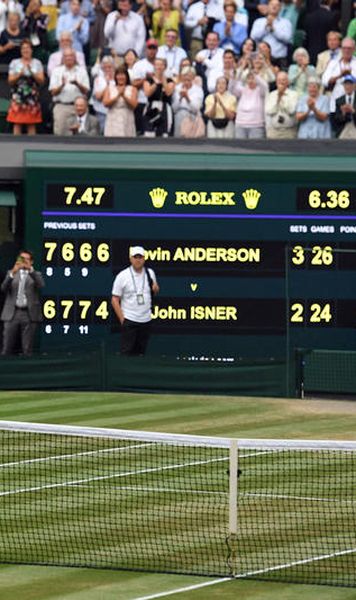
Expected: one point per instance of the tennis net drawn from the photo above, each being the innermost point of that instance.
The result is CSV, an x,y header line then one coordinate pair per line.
x,y
265,509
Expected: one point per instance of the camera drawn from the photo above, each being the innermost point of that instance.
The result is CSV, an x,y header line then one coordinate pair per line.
x,y
280,119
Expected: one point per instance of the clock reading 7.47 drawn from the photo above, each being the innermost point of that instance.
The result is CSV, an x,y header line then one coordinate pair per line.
x,y
91,195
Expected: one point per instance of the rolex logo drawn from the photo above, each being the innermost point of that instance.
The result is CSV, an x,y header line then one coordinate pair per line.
x,y
251,198
158,197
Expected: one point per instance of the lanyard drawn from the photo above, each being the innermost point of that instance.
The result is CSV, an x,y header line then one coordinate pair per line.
x,y
134,282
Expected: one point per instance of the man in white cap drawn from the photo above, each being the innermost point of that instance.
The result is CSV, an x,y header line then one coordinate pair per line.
x,y
132,293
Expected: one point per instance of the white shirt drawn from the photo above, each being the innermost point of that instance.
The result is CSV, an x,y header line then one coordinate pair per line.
x,y
70,91
196,97
128,285
173,56
196,12
334,69
55,60
125,33
140,70
211,59
278,37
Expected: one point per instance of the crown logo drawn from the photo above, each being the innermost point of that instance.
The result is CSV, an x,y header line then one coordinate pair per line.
x,y
251,198
158,197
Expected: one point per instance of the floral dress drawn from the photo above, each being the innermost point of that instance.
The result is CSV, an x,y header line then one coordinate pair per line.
x,y
25,106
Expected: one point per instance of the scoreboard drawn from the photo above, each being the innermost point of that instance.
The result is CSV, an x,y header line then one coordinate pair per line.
x,y
254,255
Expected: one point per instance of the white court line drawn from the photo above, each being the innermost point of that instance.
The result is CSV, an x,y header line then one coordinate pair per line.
x,y
184,589
114,476
64,456
248,574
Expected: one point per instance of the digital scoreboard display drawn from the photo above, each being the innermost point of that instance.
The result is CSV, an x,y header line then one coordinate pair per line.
x,y
249,263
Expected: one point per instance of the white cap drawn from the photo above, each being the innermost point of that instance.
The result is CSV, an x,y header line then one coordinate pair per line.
x,y
137,250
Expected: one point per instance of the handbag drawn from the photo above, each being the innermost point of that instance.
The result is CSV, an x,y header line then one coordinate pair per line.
x,y
192,127
220,123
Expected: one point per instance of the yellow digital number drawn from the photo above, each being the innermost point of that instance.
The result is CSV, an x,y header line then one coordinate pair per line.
x,y
50,247
314,199
103,252
102,310
87,196
85,252
84,305
67,306
332,201
70,190
49,309
297,310
299,257
320,313
68,251
344,199
322,256
99,191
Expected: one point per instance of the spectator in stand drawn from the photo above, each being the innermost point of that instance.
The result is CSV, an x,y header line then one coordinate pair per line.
x,y
130,59
280,110
164,19
333,40
317,25
25,78
199,20
35,27
263,70
86,10
351,28
7,7
96,34
158,114
250,115
276,31
300,72
220,110
187,102
103,77
124,29
345,113
171,53
255,9
74,22
248,48
265,49
186,62
120,100
10,39
313,112
144,10
82,123
337,69
209,59
231,34
141,69
55,59
68,81
229,71
290,11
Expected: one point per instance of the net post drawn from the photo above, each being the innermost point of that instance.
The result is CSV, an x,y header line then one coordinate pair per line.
x,y
233,516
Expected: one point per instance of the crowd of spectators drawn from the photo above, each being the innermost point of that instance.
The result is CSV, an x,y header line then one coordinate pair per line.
x,y
224,69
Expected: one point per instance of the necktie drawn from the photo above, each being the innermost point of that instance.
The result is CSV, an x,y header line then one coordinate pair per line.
x,y
21,300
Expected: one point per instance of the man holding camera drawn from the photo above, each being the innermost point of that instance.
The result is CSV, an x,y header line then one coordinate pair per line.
x,y
280,108
22,308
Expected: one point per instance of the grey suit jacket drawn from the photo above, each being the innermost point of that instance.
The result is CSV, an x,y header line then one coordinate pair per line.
x,y
91,125
10,286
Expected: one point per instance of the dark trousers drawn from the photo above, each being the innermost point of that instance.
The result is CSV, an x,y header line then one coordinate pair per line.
x,y
19,327
134,337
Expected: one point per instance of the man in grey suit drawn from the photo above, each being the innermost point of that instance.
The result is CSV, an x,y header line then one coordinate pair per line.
x,y
83,123
22,308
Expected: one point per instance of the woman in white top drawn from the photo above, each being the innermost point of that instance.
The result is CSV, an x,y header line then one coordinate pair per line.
x,y
187,102
121,100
